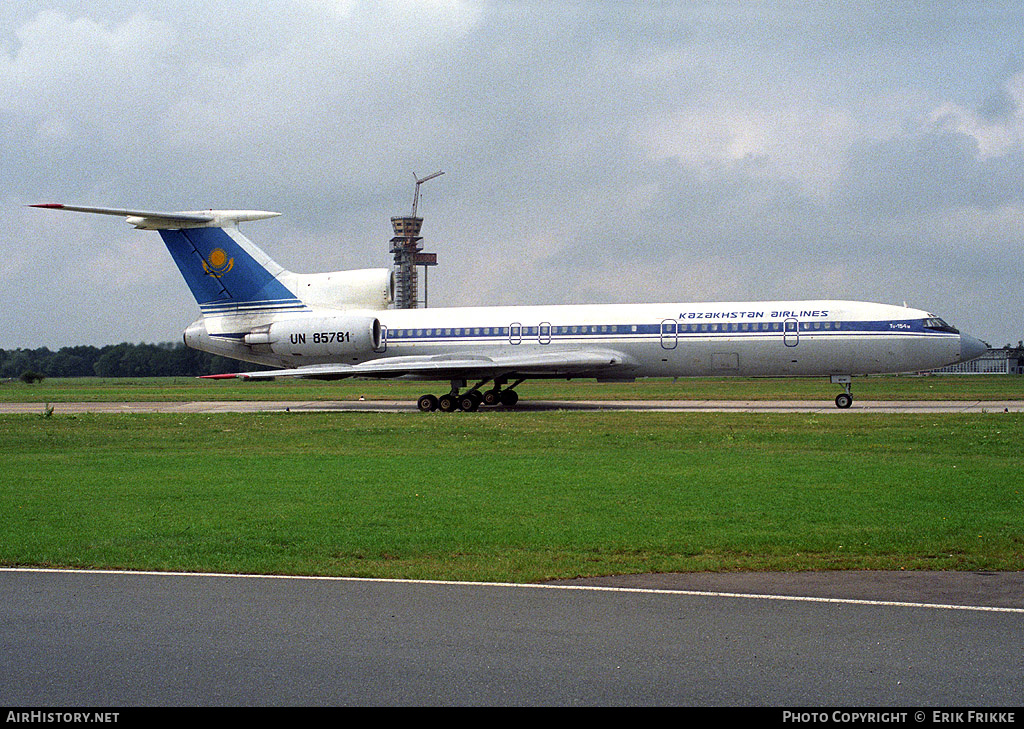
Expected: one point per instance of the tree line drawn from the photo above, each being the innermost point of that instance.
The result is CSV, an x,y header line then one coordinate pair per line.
x,y
115,360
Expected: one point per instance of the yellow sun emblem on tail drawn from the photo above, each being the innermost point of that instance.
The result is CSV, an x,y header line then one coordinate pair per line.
x,y
218,263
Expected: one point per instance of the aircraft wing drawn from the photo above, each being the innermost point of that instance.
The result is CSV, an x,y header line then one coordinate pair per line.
x,y
443,367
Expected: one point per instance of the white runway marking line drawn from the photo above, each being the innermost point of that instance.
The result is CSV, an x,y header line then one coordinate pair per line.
x,y
590,588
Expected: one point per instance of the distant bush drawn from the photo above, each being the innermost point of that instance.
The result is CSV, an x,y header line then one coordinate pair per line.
x,y
29,377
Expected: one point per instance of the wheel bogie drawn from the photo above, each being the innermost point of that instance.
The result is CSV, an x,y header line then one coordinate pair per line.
x,y
469,401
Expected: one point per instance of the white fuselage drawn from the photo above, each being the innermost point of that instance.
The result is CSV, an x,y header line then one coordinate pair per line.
x,y
805,338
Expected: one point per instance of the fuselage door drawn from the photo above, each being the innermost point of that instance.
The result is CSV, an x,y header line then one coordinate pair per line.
x,y
544,332
669,333
791,332
515,333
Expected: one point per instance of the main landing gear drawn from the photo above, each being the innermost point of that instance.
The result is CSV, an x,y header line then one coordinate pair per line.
x,y
843,399
471,399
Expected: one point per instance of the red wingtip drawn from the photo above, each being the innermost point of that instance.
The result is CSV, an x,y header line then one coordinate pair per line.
x,y
217,377
47,205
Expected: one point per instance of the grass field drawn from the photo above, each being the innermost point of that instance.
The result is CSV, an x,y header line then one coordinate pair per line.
x,y
992,387
512,496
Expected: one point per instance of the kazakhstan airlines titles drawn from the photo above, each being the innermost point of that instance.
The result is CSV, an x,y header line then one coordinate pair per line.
x,y
806,313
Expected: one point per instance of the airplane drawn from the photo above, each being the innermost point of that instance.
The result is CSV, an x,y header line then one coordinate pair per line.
x,y
336,325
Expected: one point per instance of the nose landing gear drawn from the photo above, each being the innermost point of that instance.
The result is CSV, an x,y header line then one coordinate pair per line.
x,y
843,399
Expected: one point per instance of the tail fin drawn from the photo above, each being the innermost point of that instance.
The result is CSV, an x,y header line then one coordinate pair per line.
x,y
226,272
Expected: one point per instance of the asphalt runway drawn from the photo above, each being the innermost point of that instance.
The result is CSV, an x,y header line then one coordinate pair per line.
x,y
858,639
746,406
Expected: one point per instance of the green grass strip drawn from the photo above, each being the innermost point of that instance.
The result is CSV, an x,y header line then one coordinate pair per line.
x,y
512,496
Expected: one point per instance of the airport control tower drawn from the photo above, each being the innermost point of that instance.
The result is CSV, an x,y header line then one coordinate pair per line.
x,y
407,248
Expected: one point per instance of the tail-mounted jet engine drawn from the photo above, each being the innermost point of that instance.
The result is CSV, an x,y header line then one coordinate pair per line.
x,y
352,336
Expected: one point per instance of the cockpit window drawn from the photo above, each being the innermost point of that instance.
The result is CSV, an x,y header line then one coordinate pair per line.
x,y
939,325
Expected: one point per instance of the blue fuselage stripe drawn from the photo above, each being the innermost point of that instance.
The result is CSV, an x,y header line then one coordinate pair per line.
x,y
670,328
637,332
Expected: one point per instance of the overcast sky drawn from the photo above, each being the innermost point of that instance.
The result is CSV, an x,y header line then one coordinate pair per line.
x,y
593,151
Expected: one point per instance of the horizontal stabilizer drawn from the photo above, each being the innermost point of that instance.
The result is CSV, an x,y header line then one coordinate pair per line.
x,y
150,220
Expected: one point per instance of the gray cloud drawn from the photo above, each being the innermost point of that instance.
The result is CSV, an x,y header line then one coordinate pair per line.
x,y
593,151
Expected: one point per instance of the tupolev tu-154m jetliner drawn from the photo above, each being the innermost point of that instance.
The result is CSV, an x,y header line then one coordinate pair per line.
x,y
337,325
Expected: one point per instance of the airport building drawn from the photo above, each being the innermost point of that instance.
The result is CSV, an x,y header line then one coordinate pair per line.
x,y
407,248
1002,361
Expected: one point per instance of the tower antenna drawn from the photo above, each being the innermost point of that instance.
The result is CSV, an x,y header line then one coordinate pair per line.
x,y
420,181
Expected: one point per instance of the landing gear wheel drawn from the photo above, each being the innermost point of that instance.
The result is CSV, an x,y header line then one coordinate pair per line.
x,y
844,400
492,397
509,398
447,403
427,403
468,402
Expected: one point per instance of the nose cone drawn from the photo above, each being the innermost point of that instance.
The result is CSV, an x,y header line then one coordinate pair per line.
x,y
971,348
